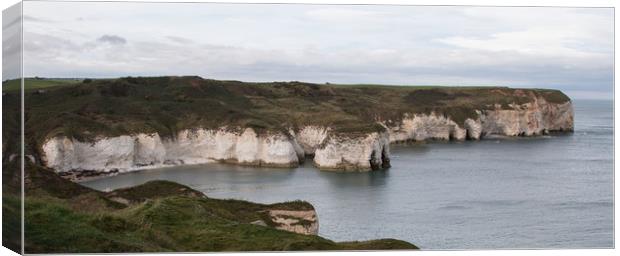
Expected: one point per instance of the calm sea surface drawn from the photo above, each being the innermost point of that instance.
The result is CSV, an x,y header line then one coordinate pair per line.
x,y
544,192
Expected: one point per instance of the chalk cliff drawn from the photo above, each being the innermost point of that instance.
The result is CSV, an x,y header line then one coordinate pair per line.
x,y
536,118
195,146
189,120
529,119
297,221
354,154
331,150
310,138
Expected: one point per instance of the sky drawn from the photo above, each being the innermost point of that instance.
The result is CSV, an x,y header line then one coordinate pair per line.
x,y
545,47
11,42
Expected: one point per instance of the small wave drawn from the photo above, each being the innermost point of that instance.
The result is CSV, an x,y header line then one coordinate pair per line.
x,y
499,202
453,207
583,205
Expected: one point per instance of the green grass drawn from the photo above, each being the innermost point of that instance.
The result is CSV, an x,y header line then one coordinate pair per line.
x,y
178,223
11,222
166,105
161,216
37,83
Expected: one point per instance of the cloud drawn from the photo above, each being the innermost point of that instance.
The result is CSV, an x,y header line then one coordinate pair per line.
x,y
50,45
539,41
112,39
28,18
341,14
563,48
178,39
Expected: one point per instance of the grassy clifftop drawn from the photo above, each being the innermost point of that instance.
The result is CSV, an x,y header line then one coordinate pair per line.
x,y
158,216
169,104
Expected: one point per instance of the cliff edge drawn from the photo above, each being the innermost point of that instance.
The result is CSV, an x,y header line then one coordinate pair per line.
x,y
116,125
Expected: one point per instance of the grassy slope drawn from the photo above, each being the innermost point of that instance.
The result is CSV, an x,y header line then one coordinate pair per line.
x,y
169,104
62,216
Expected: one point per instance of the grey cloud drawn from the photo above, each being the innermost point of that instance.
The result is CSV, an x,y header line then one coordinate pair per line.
x,y
226,62
178,39
49,44
112,39
36,19
417,45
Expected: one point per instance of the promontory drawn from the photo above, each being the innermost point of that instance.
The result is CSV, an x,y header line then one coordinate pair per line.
x,y
117,125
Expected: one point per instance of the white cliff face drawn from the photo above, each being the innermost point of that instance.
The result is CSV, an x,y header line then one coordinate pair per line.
x,y
331,151
473,128
311,137
64,154
358,154
423,127
148,150
535,118
558,117
189,147
199,146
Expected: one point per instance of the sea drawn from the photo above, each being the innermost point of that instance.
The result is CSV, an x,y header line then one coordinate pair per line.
x,y
541,192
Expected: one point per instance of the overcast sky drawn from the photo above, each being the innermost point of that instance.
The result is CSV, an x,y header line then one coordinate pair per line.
x,y
564,48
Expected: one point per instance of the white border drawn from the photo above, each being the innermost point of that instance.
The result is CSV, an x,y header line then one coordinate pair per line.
x,y
564,3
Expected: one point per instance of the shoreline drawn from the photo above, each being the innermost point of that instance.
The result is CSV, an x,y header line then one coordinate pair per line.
x,y
410,143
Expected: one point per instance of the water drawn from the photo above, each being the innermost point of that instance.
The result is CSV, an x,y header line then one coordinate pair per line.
x,y
544,192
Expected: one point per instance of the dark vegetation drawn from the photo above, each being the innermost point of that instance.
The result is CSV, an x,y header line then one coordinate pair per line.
x,y
158,216
11,174
84,109
62,216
